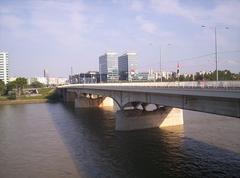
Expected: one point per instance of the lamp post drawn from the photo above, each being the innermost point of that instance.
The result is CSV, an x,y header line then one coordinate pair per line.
x,y
216,48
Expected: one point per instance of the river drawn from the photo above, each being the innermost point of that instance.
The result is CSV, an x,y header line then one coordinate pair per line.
x,y
55,140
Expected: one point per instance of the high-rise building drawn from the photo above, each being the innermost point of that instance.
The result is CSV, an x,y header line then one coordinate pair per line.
x,y
4,67
108,67
127,66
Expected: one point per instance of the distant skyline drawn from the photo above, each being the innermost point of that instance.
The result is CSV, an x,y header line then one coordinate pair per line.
x,y
59,34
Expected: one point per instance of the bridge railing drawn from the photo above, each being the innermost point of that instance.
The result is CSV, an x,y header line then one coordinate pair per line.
x,y
188,84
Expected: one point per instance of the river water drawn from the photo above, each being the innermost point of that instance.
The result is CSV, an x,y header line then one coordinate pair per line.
x,y
56,140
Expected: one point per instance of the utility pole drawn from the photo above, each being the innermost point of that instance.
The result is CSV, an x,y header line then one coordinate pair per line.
x,y
160,60
216,48
71,70
160,63
216,56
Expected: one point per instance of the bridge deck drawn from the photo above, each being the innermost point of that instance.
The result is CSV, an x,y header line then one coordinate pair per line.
x,y
187,91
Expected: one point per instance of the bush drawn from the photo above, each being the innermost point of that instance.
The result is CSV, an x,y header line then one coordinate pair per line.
x,y
36,84
12,95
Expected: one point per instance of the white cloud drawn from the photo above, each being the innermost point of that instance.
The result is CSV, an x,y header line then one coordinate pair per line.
x,y
233,61
45,17
146,25
227,13
169,7
224,12
136,5
115,1
62,21
10,21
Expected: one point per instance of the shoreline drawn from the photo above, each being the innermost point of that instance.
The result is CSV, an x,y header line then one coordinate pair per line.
x,y
24,101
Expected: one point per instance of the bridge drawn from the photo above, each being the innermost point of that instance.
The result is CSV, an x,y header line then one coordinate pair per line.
x,y
156,104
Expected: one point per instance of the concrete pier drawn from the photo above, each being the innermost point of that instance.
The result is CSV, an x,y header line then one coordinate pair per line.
x,y
88,102
84,102
131,116
138,119
131,119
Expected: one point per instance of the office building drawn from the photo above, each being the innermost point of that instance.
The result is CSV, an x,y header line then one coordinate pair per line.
x,y
108,67
4,67
89,77
127,66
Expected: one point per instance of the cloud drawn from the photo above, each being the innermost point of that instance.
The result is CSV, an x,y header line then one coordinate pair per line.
x,y
227,13
224,12
60,20
45,17
146,25
11,21
152,28
233,61
136,5
168,7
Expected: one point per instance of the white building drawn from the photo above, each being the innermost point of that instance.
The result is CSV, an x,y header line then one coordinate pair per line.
x,y
57,80
42,80
48,80
11,79
4,67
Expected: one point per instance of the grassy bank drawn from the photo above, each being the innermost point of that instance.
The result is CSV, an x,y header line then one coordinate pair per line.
x,y
45,95
22,101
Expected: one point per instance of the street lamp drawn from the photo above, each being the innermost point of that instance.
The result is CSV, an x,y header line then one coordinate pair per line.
x,y
216,48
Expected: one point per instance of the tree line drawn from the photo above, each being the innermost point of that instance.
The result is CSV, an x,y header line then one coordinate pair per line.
x,y
16,87
223,75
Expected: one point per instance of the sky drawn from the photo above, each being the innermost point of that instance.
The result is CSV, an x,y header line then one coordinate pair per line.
x,y
59,34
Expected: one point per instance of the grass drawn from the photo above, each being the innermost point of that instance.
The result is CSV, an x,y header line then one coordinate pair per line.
x,y
3,98
45,93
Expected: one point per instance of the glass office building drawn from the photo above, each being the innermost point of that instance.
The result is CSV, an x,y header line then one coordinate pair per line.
x,y
108,67
127,66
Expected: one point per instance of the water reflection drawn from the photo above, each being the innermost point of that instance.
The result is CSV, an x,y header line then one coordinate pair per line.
x,y
53,140
168,152
30,145
215,130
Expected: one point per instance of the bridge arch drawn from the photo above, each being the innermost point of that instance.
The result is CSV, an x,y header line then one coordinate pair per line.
x,y
81,94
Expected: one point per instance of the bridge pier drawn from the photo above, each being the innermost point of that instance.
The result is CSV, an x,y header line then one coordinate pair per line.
x,y
69,97
84,102
88,102
138,119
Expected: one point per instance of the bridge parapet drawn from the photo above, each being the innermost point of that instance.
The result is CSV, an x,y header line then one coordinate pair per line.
x,y
176,84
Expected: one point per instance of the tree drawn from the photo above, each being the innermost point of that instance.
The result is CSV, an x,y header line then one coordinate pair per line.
x,y
11,85
36,84
2,87
198,76
20,84
181,78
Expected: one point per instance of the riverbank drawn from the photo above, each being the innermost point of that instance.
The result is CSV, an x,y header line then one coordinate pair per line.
x,y
46,95
24,101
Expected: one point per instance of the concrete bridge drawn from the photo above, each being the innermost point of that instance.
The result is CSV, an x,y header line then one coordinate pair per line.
x,y
165,100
